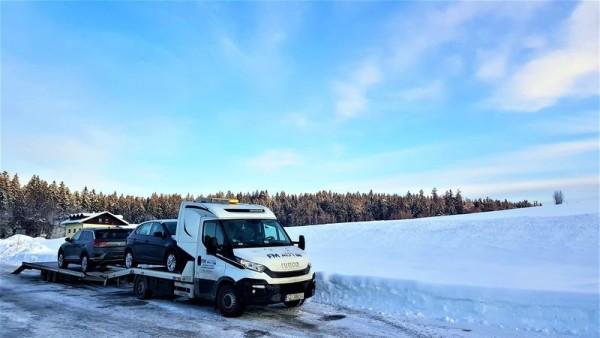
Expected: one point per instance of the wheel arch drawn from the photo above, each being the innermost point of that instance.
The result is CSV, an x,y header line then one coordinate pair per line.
x,y
225,280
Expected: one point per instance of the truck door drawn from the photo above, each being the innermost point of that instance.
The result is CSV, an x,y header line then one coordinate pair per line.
x,y
211,267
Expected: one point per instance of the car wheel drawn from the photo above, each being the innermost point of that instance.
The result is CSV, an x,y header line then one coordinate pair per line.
x,y
294,303
62,264
129,260
171,262
86,265
228,302
140,287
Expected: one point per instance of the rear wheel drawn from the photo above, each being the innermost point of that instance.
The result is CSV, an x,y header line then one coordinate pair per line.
x,y
62,263
294,303
140,287
86,265
129,260
228,302
171,262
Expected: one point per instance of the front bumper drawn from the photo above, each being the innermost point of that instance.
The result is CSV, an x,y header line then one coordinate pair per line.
x,y
259,292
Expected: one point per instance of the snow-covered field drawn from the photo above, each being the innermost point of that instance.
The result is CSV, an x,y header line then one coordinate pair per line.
x,y
517,273
529,270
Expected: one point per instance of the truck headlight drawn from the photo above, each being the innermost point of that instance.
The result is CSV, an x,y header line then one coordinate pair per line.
x,y
251,265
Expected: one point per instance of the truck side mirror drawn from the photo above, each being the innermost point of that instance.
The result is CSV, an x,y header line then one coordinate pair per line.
x,y
301,242
211,246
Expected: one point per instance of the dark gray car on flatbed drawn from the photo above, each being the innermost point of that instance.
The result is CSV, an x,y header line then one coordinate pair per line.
x,y
91,247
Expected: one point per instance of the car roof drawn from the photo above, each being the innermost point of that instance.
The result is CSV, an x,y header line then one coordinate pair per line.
x,y
109,229
160,220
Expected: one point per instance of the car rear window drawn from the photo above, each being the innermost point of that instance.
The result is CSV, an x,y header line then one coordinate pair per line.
x,y
171,227
112,234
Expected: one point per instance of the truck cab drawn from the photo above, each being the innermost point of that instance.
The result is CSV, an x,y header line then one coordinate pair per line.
x,y
242,256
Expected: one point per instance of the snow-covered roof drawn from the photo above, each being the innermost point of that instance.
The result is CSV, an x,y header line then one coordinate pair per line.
x,y
87,216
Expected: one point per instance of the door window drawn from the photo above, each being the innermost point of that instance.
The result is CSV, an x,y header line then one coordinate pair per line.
x,y
86,236
212,229
157,227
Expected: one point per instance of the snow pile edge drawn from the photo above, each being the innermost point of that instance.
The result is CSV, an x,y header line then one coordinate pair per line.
x,y
548,312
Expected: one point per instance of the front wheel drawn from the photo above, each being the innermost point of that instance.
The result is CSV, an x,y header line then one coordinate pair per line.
x,y
228,303
294,303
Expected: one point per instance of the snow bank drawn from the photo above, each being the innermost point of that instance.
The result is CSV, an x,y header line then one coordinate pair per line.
x,y
533,270
555,313
19,248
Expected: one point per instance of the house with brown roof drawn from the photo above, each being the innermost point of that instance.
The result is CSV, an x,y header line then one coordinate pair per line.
x,y
102,219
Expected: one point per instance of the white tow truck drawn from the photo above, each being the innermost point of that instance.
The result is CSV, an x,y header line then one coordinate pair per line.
x,y
236,255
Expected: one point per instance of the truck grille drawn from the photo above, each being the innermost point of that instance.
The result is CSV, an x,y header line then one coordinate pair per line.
x,y
286,274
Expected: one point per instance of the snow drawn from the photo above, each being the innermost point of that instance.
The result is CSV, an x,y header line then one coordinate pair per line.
x,y
524,270
520,273
22,248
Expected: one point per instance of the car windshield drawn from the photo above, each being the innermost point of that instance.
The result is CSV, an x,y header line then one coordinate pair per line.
x,y
247,233
171,227
112,234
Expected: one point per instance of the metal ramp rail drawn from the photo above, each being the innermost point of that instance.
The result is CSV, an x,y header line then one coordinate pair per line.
x,y
53,272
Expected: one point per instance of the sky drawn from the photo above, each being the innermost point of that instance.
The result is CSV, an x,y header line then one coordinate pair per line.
x,y
496,99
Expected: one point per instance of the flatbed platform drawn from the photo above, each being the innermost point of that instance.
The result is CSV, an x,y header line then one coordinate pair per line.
x,y
50,270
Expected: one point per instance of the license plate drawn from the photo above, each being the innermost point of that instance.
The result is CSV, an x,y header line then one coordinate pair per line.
x,y
294,296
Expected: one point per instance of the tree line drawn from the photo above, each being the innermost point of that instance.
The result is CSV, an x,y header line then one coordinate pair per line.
x,y
37,206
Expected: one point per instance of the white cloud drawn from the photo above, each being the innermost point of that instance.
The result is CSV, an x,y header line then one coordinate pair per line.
x,y
430,91
351,93
574,124
571,70
546,166
492,65
275,159
517,186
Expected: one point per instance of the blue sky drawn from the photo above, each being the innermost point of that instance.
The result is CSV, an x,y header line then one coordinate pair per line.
x,y
497,99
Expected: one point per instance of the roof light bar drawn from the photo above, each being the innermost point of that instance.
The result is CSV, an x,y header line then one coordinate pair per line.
x,y
219,200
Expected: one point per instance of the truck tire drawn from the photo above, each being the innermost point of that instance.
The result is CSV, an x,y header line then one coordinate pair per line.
x,y
130,260
141,288
62,263
294,303
228,303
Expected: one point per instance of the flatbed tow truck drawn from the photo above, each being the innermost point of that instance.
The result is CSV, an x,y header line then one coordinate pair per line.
x,y
236,255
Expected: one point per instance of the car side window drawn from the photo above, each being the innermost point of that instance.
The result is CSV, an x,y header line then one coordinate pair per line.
x,y
157,227
76,236
86,236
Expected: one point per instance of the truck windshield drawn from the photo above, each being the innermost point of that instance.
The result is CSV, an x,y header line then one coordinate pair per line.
x,y
248,233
